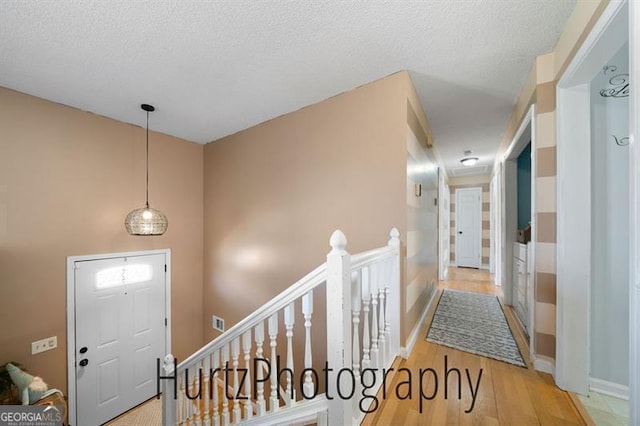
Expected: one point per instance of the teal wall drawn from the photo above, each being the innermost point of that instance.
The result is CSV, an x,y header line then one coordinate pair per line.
x,y
524,187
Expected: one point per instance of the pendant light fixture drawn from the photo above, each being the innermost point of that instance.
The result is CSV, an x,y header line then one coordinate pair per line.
x,y
146,221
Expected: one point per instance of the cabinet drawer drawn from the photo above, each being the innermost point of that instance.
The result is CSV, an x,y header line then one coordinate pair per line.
x,y
520,251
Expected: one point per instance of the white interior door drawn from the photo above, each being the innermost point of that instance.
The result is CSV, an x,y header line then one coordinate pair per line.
x,y
120,332
468,227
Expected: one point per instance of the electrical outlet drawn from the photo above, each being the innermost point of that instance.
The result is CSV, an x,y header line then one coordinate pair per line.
x,y
44,345
217,323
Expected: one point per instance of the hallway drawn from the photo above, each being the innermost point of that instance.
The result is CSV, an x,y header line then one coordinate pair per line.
x,y
507,394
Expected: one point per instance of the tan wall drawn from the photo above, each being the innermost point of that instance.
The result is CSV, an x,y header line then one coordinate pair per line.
x,y
67,180
274,193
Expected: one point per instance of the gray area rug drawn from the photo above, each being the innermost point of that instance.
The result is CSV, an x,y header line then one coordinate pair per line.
x,y
475,323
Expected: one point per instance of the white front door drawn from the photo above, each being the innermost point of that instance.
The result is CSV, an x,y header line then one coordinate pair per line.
x,y
468,226
120,332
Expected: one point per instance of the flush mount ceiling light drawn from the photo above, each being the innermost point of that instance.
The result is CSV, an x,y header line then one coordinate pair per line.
x,y
467,160
146,221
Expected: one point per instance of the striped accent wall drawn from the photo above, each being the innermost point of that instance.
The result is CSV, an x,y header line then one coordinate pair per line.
x,y
545,238
486,231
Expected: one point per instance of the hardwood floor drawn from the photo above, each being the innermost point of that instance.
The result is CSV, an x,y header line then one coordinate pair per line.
x,y
506,394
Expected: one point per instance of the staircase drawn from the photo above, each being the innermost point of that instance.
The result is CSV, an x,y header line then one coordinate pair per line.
x,y
233,380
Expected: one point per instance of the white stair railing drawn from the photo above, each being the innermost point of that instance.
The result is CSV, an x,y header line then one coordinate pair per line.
x,y
232,379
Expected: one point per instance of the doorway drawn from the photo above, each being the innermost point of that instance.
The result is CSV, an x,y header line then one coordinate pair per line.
x,y
593,212
609,320
117,327
518,224
468,227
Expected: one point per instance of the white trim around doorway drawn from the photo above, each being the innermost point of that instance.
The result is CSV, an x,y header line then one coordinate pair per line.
x,y
508,226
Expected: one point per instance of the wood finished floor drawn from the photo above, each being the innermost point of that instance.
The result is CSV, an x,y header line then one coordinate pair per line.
x,y
507,394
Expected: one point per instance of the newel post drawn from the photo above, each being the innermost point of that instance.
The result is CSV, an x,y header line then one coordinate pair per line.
x,y
339,328
393,303
169,385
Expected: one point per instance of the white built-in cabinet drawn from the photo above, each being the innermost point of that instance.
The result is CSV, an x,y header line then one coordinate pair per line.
x,y
521,279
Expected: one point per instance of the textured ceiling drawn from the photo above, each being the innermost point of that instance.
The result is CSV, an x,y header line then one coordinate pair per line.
x,y
213,68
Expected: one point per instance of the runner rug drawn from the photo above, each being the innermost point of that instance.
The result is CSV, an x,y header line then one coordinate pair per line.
x,y
475,323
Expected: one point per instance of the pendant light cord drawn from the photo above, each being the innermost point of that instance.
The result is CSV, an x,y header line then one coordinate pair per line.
x,y
147,165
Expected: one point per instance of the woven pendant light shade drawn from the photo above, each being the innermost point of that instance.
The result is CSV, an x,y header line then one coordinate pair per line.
x,y
146,221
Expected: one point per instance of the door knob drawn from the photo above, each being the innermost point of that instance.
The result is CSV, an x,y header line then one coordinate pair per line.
x,y
459,232
84,362
83,350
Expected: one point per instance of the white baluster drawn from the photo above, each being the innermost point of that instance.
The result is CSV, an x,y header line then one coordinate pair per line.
x,y
246,342
307,312
186,412
225,388
381,312
374,317
387,323
206,395
181,397
356,300
259,336
196,389
193,390
235,354
273,334
289,319
215,385
187,402
366,335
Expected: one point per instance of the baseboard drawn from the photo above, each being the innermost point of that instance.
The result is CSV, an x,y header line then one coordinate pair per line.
x,y
545,365
608,388
485,267
405,351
